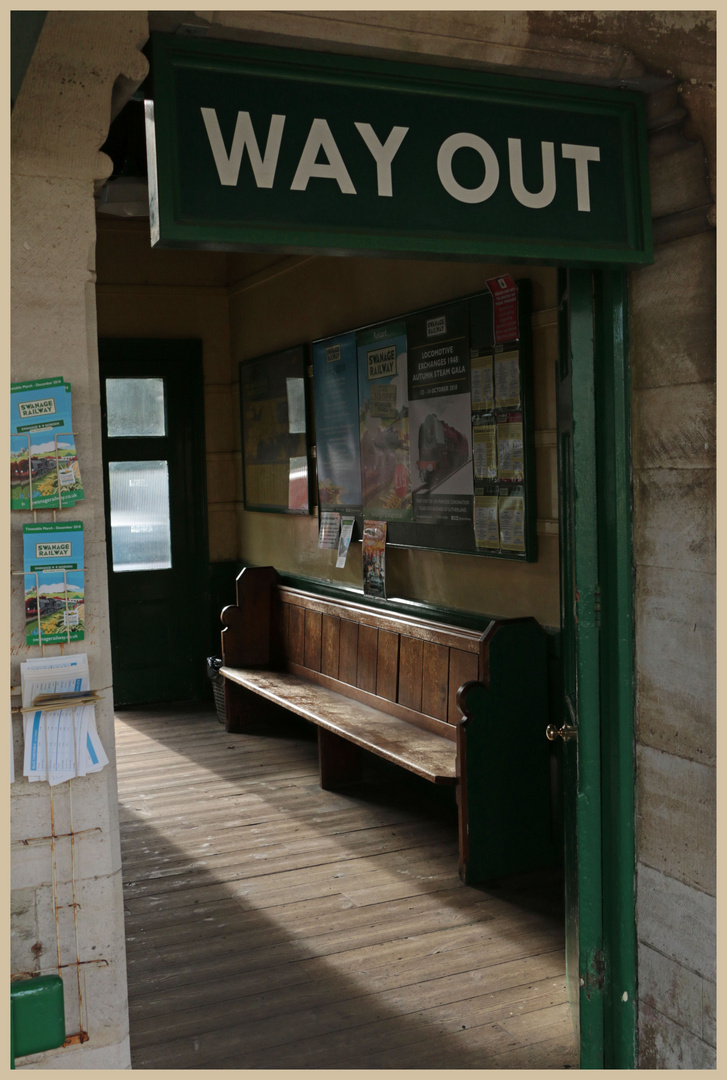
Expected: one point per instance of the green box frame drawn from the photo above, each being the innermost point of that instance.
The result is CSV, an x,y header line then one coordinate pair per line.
x,y
186,70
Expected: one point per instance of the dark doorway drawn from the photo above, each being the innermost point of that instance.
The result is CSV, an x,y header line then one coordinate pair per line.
x,y
154,489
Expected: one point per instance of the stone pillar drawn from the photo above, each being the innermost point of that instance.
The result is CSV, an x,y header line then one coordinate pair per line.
x,y
673,360
60,121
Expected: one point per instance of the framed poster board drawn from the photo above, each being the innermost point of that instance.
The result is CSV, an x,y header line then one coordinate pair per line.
x,y
445,424
274,424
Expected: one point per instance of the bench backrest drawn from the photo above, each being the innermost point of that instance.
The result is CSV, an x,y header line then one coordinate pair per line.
x,y
407,666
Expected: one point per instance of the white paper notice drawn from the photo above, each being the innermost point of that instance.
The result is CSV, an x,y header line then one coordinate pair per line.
x,y
60,743
329,530
486,522
51,744
484,451
53,675
345,541
512,522
481,382
507,379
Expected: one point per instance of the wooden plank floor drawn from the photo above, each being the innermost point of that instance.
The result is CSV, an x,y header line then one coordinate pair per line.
x,y
273,925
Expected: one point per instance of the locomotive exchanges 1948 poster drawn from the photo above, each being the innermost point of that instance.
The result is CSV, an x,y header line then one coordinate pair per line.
x,y
440,416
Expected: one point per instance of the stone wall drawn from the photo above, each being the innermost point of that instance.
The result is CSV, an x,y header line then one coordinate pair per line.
x,y
673,362
59,122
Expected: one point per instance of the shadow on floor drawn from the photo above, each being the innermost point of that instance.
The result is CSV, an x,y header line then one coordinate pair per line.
x,y
274,925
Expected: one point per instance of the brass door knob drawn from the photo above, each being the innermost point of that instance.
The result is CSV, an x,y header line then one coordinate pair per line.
x,y
565,732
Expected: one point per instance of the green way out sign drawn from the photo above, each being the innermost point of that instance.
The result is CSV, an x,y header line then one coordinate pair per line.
x,y
256,148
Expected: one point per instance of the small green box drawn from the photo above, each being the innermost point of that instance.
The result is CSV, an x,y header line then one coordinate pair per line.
x,y
37,1015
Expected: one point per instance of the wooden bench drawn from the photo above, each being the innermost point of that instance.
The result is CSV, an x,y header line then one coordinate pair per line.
x,y
457,706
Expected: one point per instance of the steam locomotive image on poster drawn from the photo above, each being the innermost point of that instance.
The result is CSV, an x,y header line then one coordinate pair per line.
x,y
380,453
442,450
48,606
40,467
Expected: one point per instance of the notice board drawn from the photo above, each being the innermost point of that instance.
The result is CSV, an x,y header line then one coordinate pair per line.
x,y
425,421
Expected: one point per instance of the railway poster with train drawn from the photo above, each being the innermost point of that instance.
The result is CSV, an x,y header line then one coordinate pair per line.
x,y
54,582
384,422
440,415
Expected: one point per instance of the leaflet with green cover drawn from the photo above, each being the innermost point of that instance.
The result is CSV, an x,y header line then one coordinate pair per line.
x,y
54,582
44,470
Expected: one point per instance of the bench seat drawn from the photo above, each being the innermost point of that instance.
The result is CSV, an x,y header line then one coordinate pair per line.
x,y
461,703
413,748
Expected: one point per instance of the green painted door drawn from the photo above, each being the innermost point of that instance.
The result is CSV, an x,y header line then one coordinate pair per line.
x,y
153,459
579,735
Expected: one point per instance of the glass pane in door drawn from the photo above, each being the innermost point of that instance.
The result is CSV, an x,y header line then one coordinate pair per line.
x,y
135,408
140,527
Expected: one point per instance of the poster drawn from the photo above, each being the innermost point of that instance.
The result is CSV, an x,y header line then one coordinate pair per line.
x,y
507,379
384,422
374,559
482,383
44,470
484,448
54,582
335,397
487,528
510,459
273,418
440,415
511,511
505,309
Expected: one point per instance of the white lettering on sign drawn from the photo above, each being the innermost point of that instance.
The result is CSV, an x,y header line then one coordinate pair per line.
x,y
228,167
535,200
581,155
383,155
444,167
320,141
320,138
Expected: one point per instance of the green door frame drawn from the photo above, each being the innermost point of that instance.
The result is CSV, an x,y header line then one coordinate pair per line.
x,y
602,564
613,465
579,569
